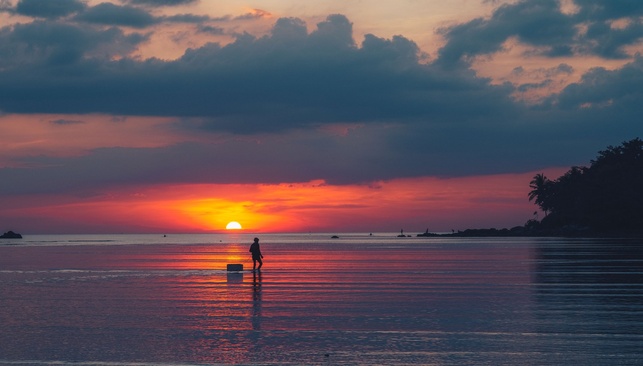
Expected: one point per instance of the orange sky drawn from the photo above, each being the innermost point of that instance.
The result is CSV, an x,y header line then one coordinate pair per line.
x,y
437,204
283,115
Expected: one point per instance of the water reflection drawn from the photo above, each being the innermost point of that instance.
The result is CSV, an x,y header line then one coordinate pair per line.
x,y
256,300
457,302
589,261
587,289
235,278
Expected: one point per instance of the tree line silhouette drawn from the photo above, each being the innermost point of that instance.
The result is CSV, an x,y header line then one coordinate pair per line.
x,y
604,198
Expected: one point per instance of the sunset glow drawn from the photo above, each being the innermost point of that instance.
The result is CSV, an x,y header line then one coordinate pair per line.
x,y
183,116
437,204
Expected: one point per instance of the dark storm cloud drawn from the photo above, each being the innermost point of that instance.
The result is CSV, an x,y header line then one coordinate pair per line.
x,y
605,41
486,145
48,9
110,14
277,93
599,10
107,13
161,2
620,89
288,79
541,23
33,48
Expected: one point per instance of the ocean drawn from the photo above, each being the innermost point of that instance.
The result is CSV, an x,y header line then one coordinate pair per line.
x,y
359,299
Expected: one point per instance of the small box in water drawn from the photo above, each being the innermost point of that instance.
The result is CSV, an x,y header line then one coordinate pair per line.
x,y
235,267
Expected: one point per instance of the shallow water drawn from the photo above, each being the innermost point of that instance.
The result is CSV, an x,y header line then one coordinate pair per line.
x,y
357,300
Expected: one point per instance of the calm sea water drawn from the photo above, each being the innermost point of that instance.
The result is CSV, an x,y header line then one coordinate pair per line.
x,y
356,300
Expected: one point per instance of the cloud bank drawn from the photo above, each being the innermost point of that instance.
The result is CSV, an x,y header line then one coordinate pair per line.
x,y
265,106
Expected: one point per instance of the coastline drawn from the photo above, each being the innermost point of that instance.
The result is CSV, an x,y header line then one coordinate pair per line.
x,y
520,231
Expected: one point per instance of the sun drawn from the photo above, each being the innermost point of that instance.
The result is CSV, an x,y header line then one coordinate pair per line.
x,y
233,225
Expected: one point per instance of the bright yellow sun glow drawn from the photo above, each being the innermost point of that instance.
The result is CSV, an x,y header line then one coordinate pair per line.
x,y
233,225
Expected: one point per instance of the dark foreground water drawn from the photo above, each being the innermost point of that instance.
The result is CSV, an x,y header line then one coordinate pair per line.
x,y
357,300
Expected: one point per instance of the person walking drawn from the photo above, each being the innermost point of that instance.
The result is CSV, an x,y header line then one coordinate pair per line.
x,y
256,254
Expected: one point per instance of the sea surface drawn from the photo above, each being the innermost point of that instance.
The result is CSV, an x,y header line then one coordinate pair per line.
x,y
357,300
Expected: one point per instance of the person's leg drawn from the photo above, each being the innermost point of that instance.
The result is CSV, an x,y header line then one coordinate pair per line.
x,y
260,263
254,264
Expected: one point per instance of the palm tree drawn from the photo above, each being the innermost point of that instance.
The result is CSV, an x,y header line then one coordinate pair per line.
x,y
539,191
536,185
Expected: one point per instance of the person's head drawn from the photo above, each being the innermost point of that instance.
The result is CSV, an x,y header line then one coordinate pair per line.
x,y
256,240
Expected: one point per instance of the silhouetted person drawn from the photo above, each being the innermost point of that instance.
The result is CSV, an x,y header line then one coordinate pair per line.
x,y
256,254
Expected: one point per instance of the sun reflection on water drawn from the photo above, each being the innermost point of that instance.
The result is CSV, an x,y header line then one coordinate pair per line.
x,y
178,304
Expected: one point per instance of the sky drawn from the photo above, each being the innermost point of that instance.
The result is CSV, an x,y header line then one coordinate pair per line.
x,y
179,116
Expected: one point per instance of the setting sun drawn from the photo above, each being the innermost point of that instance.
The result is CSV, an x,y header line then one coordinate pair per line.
x,y
233,225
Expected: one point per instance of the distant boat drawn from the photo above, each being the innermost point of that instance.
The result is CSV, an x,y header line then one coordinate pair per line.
x,y
401,234
334,237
